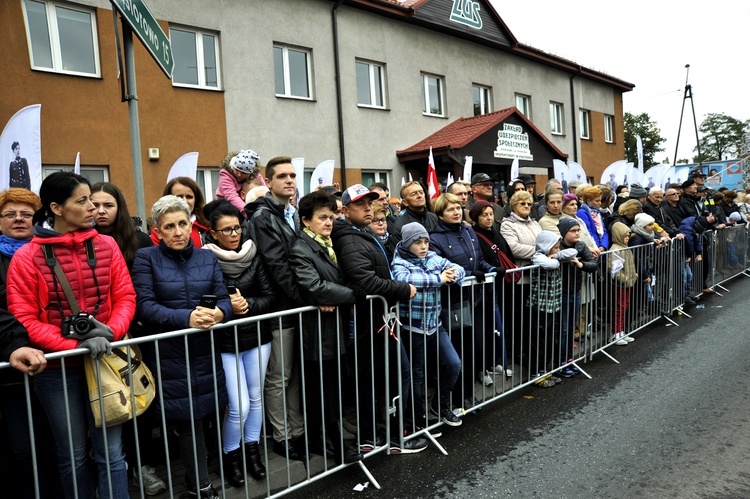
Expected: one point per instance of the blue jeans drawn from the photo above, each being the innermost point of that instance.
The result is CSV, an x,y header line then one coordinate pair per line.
x,y
571,310
436,346
245,378
49,387
687,274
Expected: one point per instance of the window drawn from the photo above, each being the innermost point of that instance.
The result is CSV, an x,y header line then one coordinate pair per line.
x,y
208,181
369,178
523,103
482,99
93,174
292,70
585,116
196,58
556,117
432,95
62,38
609,128
370,84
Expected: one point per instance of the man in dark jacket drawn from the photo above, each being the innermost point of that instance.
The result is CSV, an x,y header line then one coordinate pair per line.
x,y
654,207
364,264
274,227
413,197
481,190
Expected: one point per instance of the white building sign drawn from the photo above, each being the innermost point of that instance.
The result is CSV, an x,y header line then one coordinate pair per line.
x,y
513,143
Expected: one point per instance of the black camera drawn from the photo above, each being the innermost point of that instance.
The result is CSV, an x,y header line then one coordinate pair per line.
x,y
79,323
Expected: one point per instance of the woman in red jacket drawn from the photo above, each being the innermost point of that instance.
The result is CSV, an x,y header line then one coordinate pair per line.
x,y
103,290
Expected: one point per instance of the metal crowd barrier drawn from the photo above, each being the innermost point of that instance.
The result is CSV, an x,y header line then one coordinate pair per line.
x,y
369,380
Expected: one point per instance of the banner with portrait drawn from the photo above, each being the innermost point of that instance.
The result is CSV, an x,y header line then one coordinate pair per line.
x,y
21,150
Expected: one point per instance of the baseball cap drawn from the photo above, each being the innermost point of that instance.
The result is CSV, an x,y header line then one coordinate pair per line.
x,y
697,173
479,178
357,192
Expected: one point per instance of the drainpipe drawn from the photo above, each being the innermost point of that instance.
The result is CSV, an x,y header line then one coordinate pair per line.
x,y
339,105
575,114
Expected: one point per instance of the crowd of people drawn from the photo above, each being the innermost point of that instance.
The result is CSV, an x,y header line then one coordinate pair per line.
x,y
257,249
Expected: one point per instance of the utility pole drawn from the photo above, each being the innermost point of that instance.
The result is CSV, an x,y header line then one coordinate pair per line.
x,y
688,95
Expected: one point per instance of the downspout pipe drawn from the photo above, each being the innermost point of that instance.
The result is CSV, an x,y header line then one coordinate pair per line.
x,y
339,104
574,113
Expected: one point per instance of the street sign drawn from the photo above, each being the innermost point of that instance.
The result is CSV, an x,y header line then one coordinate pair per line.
x,y
144,25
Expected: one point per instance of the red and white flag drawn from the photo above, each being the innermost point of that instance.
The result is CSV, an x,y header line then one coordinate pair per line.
x,y
432,181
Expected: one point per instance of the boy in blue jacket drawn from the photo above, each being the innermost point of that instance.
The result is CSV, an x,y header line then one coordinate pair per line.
x,y
426,339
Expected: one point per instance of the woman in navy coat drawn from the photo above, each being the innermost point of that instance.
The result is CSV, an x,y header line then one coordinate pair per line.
x,y
170,280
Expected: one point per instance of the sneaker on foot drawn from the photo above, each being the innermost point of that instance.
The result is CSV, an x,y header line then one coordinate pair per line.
x,y
629,339
486,378
410,446
567,372
152,484
509,372
619,339
545,382
451,419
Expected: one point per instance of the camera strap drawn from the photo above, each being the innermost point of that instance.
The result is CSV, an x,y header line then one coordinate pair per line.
x,y
49,254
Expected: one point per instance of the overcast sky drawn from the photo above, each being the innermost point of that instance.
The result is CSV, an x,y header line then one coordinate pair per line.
x,y
648,43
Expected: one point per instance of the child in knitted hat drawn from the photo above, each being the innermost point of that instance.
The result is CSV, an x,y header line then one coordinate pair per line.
x,y
234,171
414,263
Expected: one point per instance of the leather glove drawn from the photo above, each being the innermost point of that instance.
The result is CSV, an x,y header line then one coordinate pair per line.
x,y
97,330
500,272
479,275
98,346
359,292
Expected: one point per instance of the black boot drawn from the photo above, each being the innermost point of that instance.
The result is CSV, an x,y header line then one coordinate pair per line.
x,y
233,468
254,461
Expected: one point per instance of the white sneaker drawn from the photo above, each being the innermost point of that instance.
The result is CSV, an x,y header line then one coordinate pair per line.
x,y
509,372
152,484
619,339
486,378
629,339
499,369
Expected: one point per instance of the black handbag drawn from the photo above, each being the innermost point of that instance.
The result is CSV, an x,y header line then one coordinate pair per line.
x,y
460,315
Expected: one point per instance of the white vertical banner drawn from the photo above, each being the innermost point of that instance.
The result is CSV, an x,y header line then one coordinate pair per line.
x,y
299,169
21,150
185,166
468,164
576,171
514,169
449,180
323,174
77,164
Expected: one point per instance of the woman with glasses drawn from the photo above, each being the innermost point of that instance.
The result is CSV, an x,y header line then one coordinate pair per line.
x,y
245,349
379,226
170,280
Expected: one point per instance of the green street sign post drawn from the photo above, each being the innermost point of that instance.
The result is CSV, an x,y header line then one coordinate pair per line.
x,y
148,31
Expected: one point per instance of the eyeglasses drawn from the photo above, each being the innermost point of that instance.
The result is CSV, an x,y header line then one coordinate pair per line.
x,y
379,221
12,215
523,203
231,230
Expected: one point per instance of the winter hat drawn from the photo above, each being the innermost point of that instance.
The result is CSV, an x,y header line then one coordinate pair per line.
x,y
411,232
546,240
569,198
736,216
637,191
643,219
688,183
565,224
246,161
573,184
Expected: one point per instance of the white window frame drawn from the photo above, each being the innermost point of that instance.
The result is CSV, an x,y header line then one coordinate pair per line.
x,y
200,62
525,106
426,110
378,176
48,170
485,99
54,38
609,129
556,118
287,77
209,189
371,66
585,123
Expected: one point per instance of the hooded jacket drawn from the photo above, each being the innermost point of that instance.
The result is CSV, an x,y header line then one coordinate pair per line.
x,y
37,304
693,239
627,276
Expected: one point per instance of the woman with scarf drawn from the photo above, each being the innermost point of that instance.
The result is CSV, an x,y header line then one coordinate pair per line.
x,y
245,349
316,268
590,214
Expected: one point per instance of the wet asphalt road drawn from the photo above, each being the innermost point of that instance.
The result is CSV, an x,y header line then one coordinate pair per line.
x,y
671,420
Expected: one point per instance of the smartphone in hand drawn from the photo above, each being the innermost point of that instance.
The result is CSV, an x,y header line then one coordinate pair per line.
x,y
232,290
208,301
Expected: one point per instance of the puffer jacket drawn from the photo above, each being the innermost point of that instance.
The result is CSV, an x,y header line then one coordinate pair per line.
x,y
572,275
255,286
321,283
520,234
169,285
363,262
37,303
